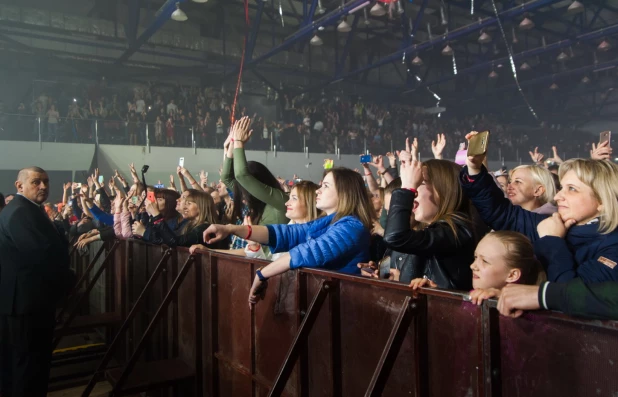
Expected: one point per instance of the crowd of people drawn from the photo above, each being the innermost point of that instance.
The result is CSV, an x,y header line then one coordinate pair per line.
x,y
183,116
543,235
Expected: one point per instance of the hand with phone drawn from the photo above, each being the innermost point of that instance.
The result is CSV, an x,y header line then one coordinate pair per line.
x,y
477,151
603,150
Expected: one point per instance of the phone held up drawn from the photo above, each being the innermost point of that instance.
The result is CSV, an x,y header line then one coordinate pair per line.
x,y
478,144
151,197
181,162
365,159
605,136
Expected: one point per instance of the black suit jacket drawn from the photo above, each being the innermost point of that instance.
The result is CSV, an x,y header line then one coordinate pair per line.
x,y
34,260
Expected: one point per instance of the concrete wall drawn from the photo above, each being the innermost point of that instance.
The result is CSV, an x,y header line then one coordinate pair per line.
x,y
65,161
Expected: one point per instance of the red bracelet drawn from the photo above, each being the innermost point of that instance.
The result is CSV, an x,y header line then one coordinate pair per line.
x,y
412,190
250,231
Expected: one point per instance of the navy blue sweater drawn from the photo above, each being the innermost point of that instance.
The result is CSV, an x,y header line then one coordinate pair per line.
x,y
584,253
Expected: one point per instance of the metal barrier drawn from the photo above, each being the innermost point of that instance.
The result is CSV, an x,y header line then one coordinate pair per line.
x,y
320,333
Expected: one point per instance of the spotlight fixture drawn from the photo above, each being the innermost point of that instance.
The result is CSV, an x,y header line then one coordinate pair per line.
x,y
200,1
321,28
562,57
575,8
344,26
604,46
484,38
493,75
447,51
525,67
377,10
526,24
553,86
178,14
316,40
320,9
417,61
400,9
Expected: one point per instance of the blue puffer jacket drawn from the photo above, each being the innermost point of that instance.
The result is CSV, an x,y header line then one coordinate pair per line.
x,y
584,253
335,246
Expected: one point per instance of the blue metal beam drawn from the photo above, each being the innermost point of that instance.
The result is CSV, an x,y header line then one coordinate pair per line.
x,y
529,53
133,21
304,33
340,64
255,29
162,15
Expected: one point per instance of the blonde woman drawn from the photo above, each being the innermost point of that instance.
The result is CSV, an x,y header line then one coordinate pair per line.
x,y
532,188
580,240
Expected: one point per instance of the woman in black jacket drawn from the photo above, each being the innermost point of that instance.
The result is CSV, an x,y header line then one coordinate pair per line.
x,y
444,239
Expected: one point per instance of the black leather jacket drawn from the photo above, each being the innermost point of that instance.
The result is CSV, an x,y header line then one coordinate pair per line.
x,y
435,251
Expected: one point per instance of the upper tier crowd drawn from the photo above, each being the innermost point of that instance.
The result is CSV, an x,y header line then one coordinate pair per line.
x,y
182,116
542,235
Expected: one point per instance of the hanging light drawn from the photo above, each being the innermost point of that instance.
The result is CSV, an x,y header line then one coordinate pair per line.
x,y
316,40
515,41
417,61
562,57
586,80
553,86
178,14
525,67
604,46
200,1
377,10
526,24
447,51
484,38
575,8
493,75
321,9
366,17
400,9
344,26
321,28
443,19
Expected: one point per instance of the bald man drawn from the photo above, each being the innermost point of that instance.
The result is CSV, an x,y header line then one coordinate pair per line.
x,y
34,277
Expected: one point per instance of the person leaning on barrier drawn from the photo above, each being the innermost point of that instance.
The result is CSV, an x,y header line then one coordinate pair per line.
x,y
337,241
575,298
34,278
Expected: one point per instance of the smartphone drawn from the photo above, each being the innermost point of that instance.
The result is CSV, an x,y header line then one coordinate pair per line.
x,y
478,144
181,162
366,158
385,267
605,136
101,179
151,197
134,200
79,185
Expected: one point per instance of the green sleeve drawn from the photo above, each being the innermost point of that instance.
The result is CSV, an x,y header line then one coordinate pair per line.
x,y
226,173
266,194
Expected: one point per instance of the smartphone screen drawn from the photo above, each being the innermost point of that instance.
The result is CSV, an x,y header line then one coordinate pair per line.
x,y
605,136
364,159
134,200
101,178
181,162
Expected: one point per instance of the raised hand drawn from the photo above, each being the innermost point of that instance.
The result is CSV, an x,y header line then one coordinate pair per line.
x,y
602,151
536,157
67,185
474,163
241,131
392,159
437,146
556,158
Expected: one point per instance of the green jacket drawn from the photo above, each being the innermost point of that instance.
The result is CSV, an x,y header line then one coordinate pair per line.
x,y
275,199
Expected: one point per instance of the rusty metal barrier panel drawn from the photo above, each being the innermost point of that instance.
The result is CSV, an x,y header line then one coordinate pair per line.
x,y
320,333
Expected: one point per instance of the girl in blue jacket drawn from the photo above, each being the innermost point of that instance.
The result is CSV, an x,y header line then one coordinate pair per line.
x,y
337,241
581,239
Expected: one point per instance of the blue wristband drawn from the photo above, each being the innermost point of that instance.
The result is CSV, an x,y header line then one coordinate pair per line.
x,y
261,276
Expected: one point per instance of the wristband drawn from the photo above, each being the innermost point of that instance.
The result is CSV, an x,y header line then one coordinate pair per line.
x,y
250,232
412,190
261,276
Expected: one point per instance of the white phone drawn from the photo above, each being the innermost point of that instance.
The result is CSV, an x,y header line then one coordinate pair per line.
x,y
181,162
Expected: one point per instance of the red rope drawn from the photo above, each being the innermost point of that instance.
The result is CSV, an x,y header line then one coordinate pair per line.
x,y
242,63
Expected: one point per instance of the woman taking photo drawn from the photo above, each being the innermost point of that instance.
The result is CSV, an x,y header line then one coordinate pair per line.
x,y
532,188
337,241
443,239
580,240
165,210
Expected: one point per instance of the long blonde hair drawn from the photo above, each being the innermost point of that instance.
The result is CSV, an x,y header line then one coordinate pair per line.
x,y
602,177
206,208
306,191
353,197
540,176
520,255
